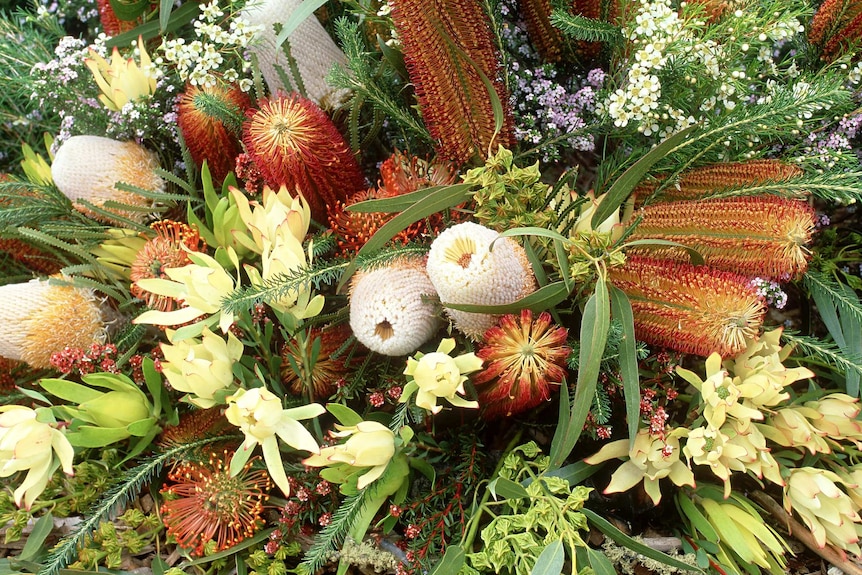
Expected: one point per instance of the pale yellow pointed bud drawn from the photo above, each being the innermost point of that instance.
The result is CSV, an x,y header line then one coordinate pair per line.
x,y
438,375
202,368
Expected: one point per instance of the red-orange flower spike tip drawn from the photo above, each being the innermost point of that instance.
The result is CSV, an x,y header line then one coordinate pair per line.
x,y
831,25
327,370
32,258
544,37
589,9
692,309
294,143
207,137
166,250
762,235
701,182
402,174
210,505
845,35
444,42
523,358
110,23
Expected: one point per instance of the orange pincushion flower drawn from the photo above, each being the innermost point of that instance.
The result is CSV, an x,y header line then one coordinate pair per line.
x,y
444,42
402,174
327,369
208,137
211,505
763,235
523,358
693,309
295,144
166,250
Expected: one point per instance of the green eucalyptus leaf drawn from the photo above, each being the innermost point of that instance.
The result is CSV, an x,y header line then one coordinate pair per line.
x,y
550,560
543,298
507,489
451,562
344,414
36,540
622,310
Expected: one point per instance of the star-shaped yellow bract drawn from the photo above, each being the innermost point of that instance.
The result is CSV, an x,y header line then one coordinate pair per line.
x,y
438,375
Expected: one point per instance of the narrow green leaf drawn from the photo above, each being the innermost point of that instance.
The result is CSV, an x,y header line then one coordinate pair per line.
x,y
507,489
852,328
562,432
540,300
158,565
697,518
440,200
396,203
829,314
624,185
575,473
69,390
452,561
297,17
244,544
35,541
179,17
621,538
622,309
594,334
550,560
599,562
694,255
534,231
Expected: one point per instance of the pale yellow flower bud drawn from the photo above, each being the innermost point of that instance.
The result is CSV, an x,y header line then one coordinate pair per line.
x,y
202,368
370,444
437,375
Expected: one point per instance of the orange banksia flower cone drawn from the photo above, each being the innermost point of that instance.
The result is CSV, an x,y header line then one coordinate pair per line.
x,y
836,25
544,37
294,143
764,235
444,42
208,137
706,180
692,309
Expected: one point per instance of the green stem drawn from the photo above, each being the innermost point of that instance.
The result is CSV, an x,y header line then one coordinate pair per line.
x,y
467,542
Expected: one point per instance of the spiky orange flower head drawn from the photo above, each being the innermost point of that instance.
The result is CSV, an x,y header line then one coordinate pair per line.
x,y
294,143
194,425
89,167
444,42
334,360
110,23
523,358
38,318
33,259
762,235
399,174
545,38
166,250
704,181
210,119
693,309
207,504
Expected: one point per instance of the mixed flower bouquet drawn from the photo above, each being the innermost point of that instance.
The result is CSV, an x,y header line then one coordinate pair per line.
x,y
430,286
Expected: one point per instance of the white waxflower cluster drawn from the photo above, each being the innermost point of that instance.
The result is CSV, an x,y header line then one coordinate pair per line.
x,y
200,61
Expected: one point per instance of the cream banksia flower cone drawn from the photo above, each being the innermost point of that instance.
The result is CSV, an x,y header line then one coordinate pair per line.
x,y
310,45
40,318
89,167
466,269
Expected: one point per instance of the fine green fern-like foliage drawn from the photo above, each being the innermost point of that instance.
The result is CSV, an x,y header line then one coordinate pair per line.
x,y
330,537
578,27
827,353
113,502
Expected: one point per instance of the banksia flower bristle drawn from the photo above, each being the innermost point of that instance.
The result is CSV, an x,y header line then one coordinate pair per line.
x,y
210,119
402,174
110,23
194,425
588,9
544,37
762,235
836,23
167,250
326,371
701,182
311,47
211,505
523,358
692,309
456,107
38,319
88,167
295,144
31,258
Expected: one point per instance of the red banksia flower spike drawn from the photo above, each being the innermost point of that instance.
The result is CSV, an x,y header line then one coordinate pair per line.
x,y
210,505
294,143
523,358
32,258
210,119
692,309
836,24
544,37
166,250
445,44
763,235
707,180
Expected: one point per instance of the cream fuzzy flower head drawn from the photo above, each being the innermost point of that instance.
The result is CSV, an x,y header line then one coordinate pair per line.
x,y
389,311
310,45
39,318
466,269
89,167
